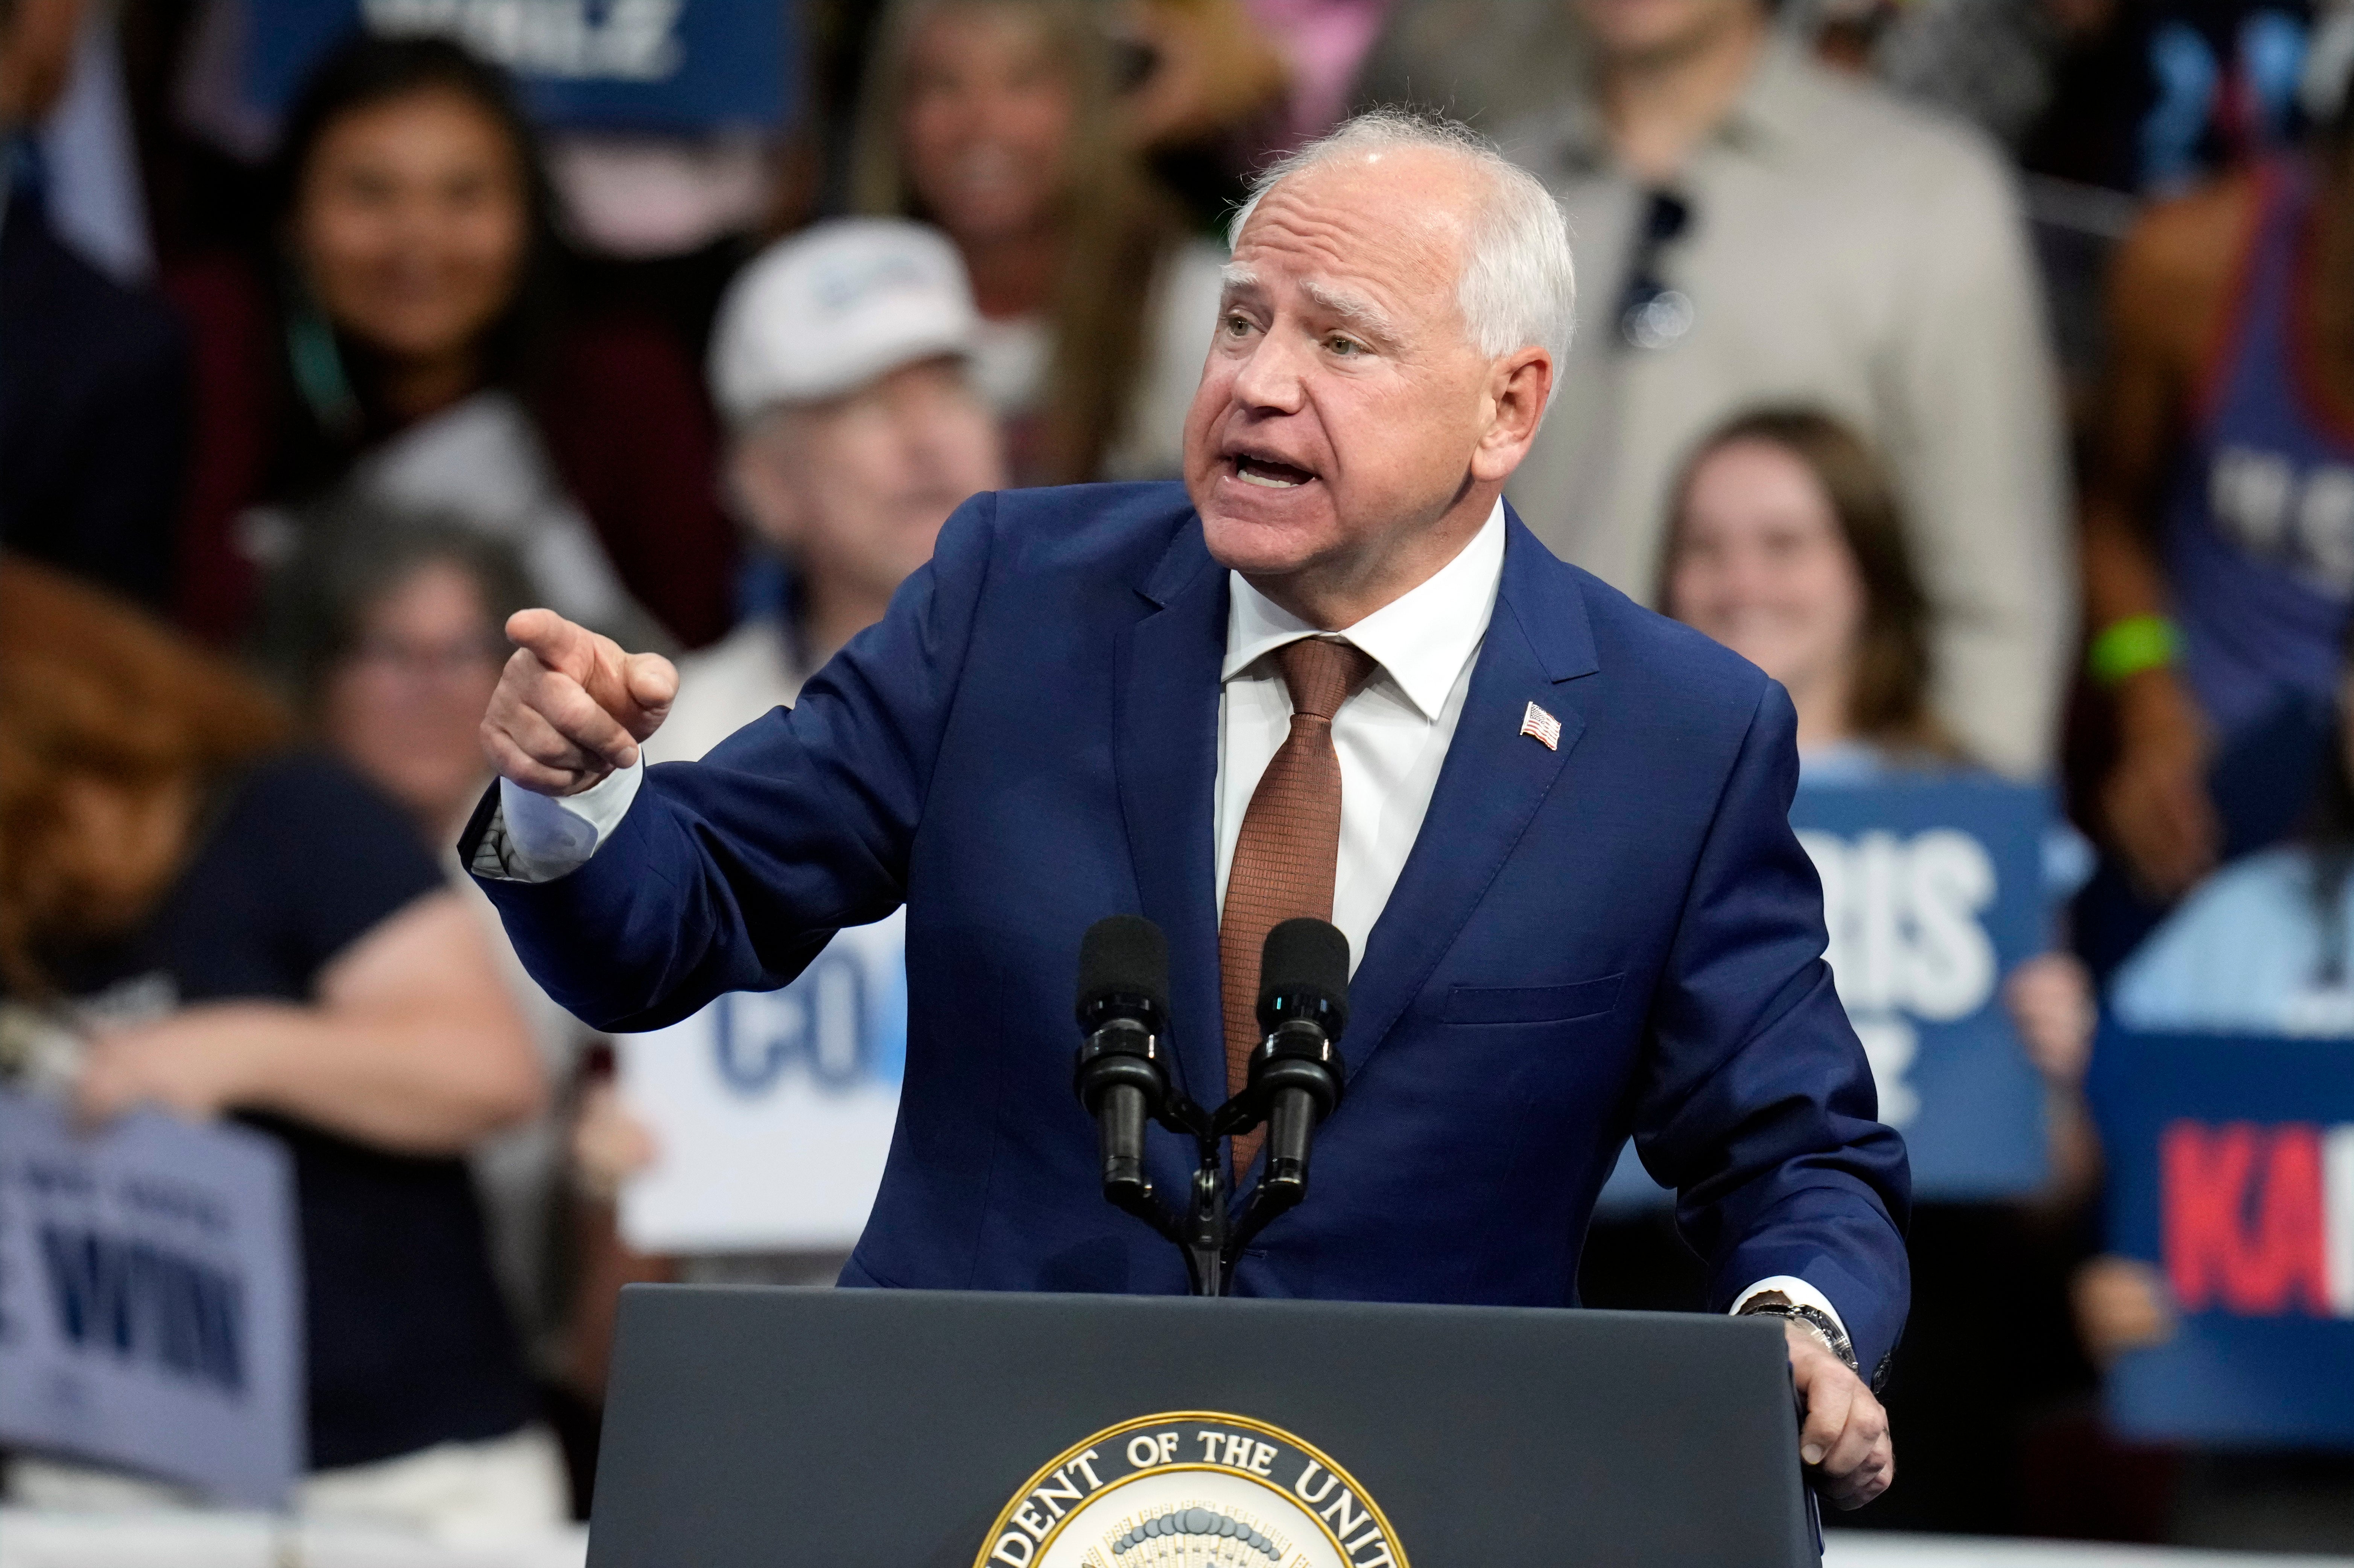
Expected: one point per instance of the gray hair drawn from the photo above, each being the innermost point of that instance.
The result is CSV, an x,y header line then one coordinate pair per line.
x,y
1519,287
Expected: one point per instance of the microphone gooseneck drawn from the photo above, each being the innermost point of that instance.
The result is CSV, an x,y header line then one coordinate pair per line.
x,y
1297,1076
1121,1077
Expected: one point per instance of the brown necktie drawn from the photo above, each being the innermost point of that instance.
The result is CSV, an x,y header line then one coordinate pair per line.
x,y
1289,852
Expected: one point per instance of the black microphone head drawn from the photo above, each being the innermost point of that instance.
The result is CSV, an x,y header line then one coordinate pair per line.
x,y
1123,966
1303,973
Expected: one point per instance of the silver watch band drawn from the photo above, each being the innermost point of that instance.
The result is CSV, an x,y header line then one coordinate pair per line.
x,y
1774,1304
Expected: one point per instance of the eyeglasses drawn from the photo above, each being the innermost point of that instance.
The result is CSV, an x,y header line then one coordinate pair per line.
x,y
1652,314
428,660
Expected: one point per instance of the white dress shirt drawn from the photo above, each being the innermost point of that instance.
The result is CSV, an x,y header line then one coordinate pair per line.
x,y
1391,734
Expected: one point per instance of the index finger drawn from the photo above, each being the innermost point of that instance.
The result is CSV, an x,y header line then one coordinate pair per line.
x,y
554,641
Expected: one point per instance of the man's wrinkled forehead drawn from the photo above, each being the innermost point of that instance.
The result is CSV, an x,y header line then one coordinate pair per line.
x,y
1372,240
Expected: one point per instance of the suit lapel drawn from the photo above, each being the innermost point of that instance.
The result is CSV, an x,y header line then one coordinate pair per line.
x,y
1538,644
1166,757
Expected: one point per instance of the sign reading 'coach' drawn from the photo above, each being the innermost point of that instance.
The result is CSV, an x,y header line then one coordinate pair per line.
x,y
2231,1163
772,1110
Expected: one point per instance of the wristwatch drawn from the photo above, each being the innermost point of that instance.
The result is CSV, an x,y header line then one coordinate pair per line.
x,y
1824,1327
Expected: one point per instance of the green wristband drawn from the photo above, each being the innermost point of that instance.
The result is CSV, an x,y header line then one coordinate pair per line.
x,y
2126,648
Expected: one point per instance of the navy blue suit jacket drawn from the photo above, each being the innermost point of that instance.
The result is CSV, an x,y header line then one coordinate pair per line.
x,y
1620,936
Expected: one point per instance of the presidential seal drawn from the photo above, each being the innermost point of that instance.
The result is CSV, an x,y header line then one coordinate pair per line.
x,y
1193,1488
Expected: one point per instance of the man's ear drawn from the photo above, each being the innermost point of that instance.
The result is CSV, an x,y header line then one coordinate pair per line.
x,y
1518,386
763,487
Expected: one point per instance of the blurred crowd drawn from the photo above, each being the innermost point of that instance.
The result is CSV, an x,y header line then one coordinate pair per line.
x,y
1982,369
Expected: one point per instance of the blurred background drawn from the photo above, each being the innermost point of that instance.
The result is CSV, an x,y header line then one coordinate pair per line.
x,y
1983,369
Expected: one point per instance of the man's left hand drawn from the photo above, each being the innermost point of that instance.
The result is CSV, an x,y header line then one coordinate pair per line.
x,y
1844,1441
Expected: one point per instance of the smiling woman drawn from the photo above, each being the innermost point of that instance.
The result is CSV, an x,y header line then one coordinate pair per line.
x,y
402,339
1000,121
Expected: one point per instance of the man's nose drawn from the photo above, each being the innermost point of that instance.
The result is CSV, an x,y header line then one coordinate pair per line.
x,y
1272,377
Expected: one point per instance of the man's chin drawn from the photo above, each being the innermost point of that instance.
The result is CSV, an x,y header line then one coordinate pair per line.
x,y
1261,531
1258,547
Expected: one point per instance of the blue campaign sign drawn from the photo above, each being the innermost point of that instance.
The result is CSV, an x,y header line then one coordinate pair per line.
x,y
666,65
1933,891
2230,1168
151,1298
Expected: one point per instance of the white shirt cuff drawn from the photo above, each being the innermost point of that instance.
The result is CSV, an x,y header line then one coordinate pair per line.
x,y
1800,1293
538,838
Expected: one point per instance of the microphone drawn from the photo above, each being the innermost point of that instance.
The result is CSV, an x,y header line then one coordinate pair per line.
x,y
1295,1073
1121,1075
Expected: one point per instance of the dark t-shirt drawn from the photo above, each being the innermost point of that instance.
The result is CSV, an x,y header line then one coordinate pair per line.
x,y
408,1342
94,413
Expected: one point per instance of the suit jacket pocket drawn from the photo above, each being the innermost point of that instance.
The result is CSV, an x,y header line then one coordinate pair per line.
x,y
1533,1003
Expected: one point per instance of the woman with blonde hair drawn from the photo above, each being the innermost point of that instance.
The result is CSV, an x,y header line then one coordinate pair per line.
x,y
999,121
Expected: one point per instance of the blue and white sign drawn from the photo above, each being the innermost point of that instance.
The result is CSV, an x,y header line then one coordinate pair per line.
x,y
151,1298
772,1111
2231,1171
1933,890
661,64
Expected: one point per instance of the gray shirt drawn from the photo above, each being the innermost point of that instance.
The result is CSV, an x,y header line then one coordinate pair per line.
x,y
1851,253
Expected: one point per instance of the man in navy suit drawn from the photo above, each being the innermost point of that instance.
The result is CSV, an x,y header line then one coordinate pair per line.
x,y
1560,841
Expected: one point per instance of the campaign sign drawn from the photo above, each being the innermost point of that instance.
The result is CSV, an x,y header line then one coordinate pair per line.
x,y
2231,1167
677,65
151,1298
1933,891
772,1111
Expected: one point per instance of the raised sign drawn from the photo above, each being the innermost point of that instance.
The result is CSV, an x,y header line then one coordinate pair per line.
x,y
2230,1168
772,1112
675,65
150,1299
1933,891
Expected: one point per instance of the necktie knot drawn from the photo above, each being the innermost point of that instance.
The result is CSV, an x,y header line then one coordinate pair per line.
x,y
1320,672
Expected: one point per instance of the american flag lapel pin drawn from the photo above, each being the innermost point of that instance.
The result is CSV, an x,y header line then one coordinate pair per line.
x,y
1541,724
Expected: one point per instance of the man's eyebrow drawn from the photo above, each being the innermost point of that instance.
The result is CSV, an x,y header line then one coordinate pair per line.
x,y
1233,277
1367,316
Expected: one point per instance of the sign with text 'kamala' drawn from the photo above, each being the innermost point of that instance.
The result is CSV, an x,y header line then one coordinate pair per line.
x,y
655,64
1933,891
772,1111
150,1299
2231,1167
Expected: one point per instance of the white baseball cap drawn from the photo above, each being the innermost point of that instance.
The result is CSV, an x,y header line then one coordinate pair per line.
x,y
830,308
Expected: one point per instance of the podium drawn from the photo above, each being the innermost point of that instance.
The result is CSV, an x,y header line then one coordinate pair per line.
x,y
933,1429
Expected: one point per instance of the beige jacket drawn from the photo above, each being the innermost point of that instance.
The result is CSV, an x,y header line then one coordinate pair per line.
x,y
1852,253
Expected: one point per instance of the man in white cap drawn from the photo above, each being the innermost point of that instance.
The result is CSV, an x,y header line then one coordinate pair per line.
x,y
838,363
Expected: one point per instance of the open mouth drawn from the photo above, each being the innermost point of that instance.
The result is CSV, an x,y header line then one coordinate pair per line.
x,y
1269,474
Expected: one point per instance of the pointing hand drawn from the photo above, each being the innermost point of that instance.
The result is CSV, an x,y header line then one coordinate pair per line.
x,y
571,706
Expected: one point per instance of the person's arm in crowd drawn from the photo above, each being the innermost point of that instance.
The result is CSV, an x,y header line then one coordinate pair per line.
x,y
733,872
413,1045
1977,438
2052,1005
2167,285
1757,1106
